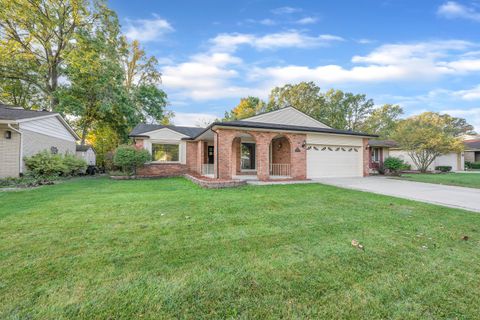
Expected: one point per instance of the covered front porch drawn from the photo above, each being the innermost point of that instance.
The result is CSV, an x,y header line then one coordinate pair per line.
x,y
251,155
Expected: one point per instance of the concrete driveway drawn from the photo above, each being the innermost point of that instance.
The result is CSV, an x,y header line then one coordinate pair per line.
x,y
450,196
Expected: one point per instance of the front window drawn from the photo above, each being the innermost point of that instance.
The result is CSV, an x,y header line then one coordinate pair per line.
x,y
375,155
165,152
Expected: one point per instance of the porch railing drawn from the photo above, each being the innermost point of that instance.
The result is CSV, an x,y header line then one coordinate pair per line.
x,y
280,169
207,168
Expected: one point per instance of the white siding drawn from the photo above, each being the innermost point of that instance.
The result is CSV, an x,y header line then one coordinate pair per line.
x,y
329,139
342,157
289,116
52,127
89,156
455,160
166,135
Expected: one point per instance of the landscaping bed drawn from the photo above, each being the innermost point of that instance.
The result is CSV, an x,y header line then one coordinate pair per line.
x,y
166,248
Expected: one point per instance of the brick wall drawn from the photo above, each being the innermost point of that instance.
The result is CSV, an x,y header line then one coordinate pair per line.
x,y
139,143
366,157
281,150
227,150
163,170
192,154
9,153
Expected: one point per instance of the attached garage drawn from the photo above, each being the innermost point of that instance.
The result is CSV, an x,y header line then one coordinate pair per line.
x,y
334,156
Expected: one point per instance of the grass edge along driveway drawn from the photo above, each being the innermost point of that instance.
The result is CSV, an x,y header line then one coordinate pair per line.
x,y
469,180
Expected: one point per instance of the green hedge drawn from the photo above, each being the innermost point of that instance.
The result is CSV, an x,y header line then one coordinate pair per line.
x,y
48,165
472,165
443,168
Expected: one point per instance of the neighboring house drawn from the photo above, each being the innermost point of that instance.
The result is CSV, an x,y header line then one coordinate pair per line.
x,y
24,133
382,149
87,153
285,143
472,150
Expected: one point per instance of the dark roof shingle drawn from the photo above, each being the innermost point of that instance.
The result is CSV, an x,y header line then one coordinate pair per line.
x,y
275,126
383,143
143,128
8,112
472,144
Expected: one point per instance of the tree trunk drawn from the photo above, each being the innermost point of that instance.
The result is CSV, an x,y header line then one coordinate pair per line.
x,y
84,135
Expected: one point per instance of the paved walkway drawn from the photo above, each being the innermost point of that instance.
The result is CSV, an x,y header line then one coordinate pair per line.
x,y
450,196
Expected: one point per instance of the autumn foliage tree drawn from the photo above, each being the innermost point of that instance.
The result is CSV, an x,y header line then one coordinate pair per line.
x,y
248,107
426,137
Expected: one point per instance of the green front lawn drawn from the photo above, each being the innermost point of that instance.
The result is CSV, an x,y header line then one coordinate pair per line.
x,y
471,180
153,249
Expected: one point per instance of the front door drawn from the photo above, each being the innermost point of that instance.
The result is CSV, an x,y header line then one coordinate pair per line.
x,y
248,156
210,154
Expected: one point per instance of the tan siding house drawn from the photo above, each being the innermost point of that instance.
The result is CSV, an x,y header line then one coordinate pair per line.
x,y
24,133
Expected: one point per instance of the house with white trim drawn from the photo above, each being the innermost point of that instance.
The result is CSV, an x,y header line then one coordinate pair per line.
x,y
24,133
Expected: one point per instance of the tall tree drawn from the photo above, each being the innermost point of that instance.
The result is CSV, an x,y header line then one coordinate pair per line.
x,y
247,107
305,96
39,35
141,81
357,108
383,121
94,91
425,137
457,126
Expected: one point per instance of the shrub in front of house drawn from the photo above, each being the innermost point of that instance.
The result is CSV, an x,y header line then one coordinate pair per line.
x,y
472,165
46,166
129,158
394,165
443,168
74,165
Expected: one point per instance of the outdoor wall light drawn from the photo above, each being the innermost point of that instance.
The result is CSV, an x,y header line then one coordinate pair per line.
x,y
8,134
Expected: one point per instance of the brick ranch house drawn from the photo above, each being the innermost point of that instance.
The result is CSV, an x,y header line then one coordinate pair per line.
x,y
282,144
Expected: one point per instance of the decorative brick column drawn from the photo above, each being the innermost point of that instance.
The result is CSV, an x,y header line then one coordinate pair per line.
x,y
200,156
298,157
138,143
366,158
191,155
223,148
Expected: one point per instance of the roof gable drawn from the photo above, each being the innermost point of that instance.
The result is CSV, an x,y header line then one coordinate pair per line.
x,y
143,129
287,116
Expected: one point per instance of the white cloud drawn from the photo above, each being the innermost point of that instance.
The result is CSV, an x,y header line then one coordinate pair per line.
x,y
290,39
391,62
193,119
205,77
307,20
286,10
468,94
268,22
365,41
146,30
453,10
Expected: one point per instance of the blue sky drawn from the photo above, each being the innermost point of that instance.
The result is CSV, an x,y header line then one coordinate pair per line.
x,y
423,55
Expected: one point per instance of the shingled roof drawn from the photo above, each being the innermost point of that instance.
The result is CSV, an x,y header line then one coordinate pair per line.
x,y
383,143
472,144
275,126
142,129
13,113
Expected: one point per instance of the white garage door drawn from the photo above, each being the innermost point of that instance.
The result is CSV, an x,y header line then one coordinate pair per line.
x,y
334,161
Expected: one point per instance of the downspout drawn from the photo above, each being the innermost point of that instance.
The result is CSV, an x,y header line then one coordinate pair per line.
x,y
216,152
20,167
